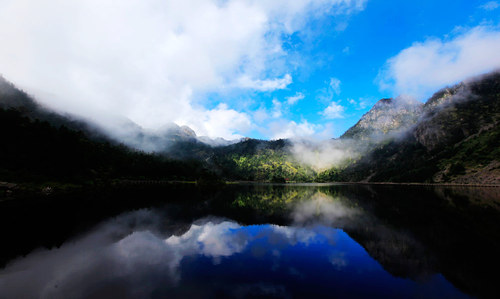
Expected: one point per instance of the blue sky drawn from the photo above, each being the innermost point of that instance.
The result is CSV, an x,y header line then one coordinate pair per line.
x,y
355,56
235,68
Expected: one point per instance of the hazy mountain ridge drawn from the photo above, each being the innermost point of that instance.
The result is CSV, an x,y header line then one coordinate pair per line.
x,y
39,145
456,139
13,98
120,131
387,116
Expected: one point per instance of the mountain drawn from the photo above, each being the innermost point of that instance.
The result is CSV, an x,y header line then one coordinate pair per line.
x,y
170,140
39,145
259,160
386,117
455,139
18,100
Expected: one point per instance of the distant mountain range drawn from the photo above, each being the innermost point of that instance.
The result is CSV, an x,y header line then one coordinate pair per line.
x,y
454,138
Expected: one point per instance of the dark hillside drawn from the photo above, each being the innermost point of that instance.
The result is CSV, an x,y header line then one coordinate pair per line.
x,y
455,140
36,151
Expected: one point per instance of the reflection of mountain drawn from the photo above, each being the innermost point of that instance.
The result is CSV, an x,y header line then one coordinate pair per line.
x,y
395,249
439,230
205,261
411,233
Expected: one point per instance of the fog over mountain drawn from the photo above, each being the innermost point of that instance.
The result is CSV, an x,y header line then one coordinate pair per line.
x,y
237,68
155,62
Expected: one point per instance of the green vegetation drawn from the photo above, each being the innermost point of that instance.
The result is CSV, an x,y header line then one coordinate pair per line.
x,y
267,165
272,200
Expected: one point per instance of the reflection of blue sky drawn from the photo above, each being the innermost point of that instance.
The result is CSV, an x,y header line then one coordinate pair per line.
x,y
256,259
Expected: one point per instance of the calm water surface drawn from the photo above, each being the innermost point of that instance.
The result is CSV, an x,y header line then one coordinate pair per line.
x,y
336,241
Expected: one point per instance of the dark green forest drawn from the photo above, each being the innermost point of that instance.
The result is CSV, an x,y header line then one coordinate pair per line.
x,y
36,151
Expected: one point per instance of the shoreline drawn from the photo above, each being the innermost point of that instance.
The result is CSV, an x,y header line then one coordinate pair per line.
x,y
8,189
366,183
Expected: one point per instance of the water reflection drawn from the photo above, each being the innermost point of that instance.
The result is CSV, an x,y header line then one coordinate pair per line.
x,y
335,241
213,257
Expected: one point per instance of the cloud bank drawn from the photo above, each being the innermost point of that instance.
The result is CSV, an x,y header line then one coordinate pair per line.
x,y
152,61
427,66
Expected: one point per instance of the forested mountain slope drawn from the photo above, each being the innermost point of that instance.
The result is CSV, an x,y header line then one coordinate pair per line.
x,y
456,139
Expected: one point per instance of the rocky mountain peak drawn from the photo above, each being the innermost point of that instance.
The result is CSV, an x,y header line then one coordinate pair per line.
x,y
386,116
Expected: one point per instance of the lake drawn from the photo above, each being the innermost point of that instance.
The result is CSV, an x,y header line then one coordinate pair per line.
x,y
248,241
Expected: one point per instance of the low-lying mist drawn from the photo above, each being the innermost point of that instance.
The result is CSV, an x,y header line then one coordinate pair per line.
x,y
322,155
388,120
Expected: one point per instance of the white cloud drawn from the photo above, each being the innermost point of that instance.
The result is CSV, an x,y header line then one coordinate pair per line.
x,y
427,66
335,85
277,109
219,122
148,60
263,114
492,5
294,99
360,104
363,103
260,115
291,129
333,111
332,89
264,85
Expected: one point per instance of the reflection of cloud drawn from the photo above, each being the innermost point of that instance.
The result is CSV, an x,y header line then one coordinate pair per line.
x,y
324,209
294,272
139,262
209,239
259,290
338,260
291,235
